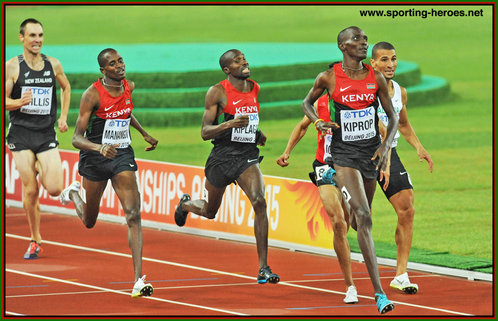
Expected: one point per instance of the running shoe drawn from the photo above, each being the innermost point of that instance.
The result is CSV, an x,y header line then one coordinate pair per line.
x,y
402,283
383,303
75,186
141,288
180,215
351,295
266,275
328,177
34,249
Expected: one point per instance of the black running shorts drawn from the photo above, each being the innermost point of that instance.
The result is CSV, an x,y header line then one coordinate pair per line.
x,y
95,167
366,166
22,138
222,170
399,178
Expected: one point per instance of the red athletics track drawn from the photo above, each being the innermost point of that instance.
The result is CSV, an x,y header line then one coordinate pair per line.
x,y
89,273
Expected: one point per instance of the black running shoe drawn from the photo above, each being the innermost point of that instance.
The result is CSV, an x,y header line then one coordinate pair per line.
x,y
266,275
181,216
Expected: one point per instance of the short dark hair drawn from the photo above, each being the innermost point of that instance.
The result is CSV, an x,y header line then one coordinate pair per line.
x,y
383,45
224,62
100,57
22,27
342,34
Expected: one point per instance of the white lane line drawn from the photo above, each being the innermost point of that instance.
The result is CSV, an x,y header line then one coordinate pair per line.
x,y
227,273
120,292
13,313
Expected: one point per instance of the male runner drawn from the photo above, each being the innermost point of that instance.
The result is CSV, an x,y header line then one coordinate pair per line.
x,y
354,88
235,155
102,134
31,99
329,194
400,190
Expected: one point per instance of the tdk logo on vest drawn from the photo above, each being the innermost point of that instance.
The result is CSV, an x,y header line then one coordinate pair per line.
x,y
358,113
41,91
118,123
360,97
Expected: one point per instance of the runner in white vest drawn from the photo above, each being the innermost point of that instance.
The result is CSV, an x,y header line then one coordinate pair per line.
x,y
400,189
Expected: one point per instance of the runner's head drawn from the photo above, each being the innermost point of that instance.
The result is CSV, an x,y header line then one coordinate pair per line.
x,y
353,42
384,59
111,64
31,35
234,63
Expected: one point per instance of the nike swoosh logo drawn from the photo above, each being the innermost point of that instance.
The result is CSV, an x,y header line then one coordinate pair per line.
x,y
342,89
252,160
131,165
107,108
402,173
236,102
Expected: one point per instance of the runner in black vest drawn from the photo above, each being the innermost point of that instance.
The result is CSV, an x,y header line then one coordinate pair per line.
x,y
30,98
354,87
235,155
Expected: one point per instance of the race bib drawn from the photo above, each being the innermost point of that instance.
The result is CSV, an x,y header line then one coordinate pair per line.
x,y
358,124
41,103
320,170
385,120
246,134
327,149
117,132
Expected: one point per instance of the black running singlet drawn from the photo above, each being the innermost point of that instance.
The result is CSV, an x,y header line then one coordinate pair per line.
x,y
41,113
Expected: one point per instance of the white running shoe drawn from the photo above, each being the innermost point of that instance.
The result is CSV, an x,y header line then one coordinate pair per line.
x,y
402,283
75,186
351,295
141,288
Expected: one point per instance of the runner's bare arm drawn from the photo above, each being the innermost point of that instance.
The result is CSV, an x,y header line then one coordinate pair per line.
x,y
11,74
216,100
89,102
63,82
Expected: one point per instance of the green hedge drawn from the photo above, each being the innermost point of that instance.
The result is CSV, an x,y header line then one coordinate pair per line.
x,y
408,76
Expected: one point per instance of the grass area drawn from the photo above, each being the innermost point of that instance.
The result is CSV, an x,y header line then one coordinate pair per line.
x,y
454,204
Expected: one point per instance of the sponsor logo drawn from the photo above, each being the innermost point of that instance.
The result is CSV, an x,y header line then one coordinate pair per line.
x,y
342,89
358,113
236,102
107,108
131,165
52,145
46,73
252,160
402,173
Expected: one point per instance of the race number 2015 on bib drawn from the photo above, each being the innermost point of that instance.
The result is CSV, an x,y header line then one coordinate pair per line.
x,y
41,103
358,124
117,132
246,134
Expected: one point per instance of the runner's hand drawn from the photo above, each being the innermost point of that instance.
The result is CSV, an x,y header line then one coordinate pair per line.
x,y
152,141
239,122
282,160
325,126
109,151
